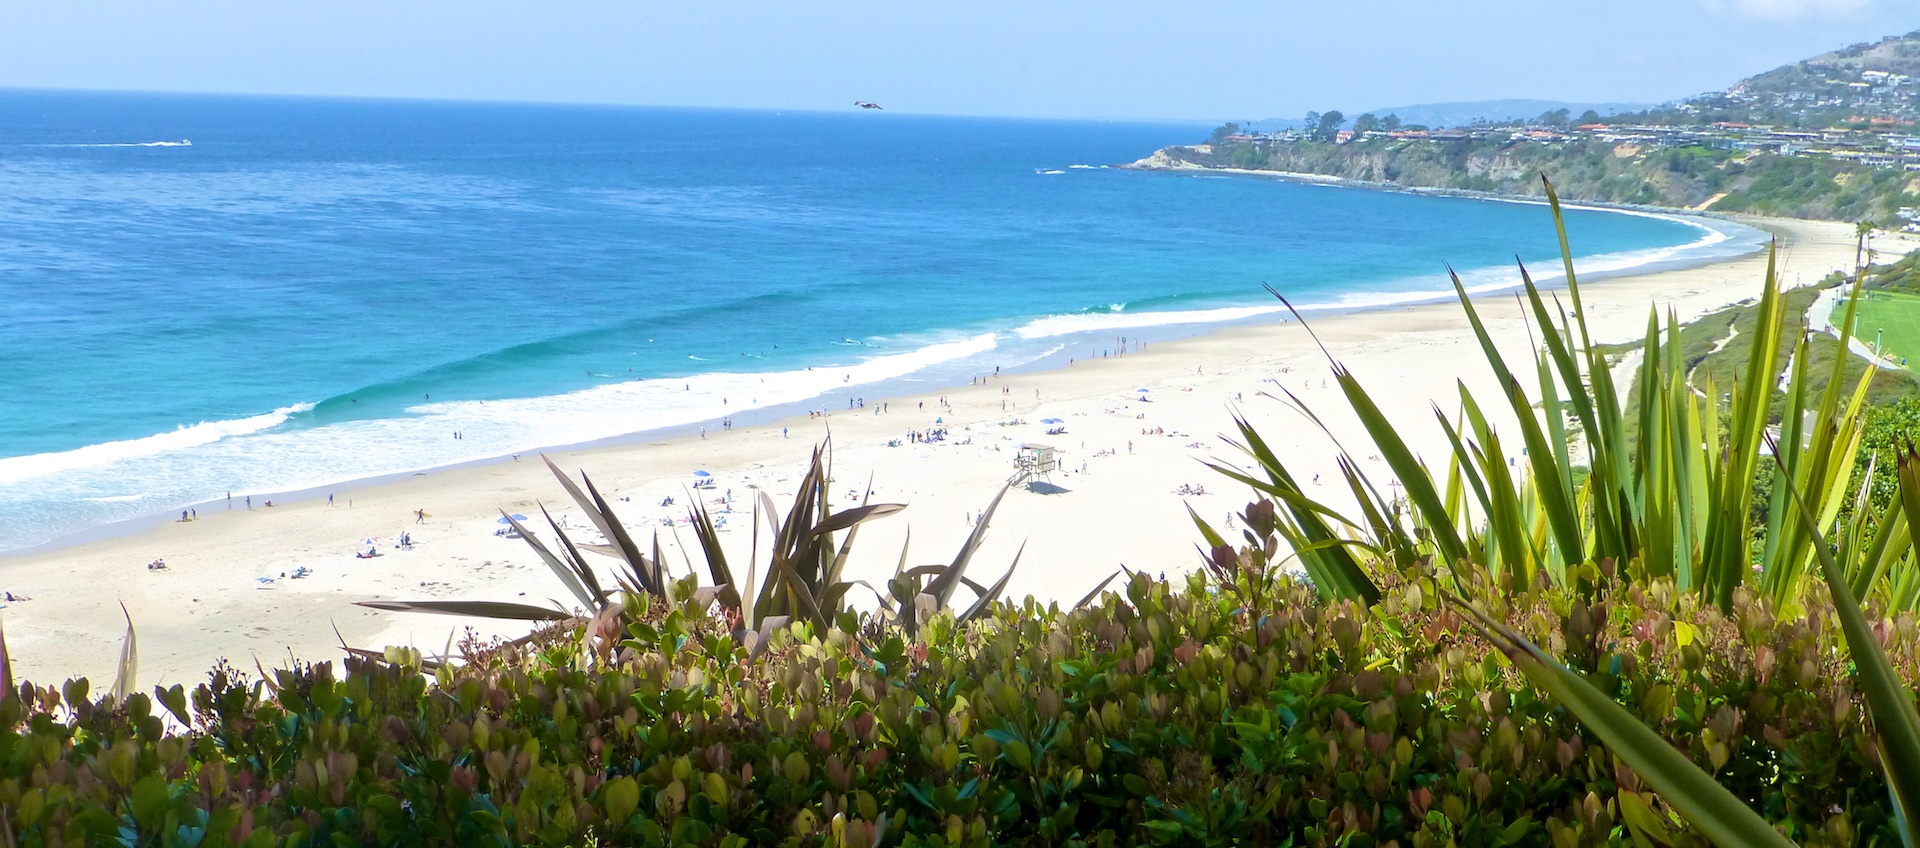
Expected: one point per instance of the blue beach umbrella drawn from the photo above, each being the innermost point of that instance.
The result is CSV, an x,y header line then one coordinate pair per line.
x,y
701,474
1052,421
516,517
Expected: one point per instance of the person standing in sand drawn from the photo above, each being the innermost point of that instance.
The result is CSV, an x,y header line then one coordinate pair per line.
x,y
419,516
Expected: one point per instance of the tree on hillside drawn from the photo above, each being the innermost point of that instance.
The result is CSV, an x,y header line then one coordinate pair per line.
x,y
1310,125
1221,132
1330,123
1589,117
1365,124
1390,123
1553,118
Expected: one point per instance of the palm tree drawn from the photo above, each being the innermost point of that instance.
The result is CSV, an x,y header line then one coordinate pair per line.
x,y
1861,230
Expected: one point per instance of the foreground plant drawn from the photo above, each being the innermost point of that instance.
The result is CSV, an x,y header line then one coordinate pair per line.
x,y
1671,503
1720,815
804,578
1192,712
1672,499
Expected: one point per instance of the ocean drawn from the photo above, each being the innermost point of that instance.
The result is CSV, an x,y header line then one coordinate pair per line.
x,y
213,294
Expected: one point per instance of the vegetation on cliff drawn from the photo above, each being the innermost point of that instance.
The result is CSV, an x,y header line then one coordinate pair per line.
x,y
1586,171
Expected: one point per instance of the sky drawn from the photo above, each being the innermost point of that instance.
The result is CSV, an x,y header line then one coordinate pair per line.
x,y
1205,61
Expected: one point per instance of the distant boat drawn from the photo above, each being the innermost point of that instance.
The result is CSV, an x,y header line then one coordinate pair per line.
x,y
1048,171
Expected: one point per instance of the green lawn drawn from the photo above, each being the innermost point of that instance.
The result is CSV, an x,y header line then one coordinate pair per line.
x,y
1893,318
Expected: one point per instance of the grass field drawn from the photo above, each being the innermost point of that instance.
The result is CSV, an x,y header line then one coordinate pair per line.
x,y
1893,318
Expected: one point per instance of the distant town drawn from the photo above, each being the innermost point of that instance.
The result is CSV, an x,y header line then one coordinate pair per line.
x,y
1833,136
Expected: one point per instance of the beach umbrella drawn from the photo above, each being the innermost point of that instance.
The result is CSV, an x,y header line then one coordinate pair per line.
x,y
369,541
701,474
516,517
1052,421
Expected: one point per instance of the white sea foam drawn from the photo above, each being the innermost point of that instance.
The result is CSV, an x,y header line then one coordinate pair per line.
x,y
18,468
181,143
1475,281
253,456
1066,325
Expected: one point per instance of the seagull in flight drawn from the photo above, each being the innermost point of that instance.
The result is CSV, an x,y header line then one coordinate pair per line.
x,y
865,105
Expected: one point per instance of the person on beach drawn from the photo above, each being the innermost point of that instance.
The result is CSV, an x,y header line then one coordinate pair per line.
x,y
249,502
419,516
329,499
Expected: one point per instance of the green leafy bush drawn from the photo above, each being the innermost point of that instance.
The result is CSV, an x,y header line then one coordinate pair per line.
x,y
1229,709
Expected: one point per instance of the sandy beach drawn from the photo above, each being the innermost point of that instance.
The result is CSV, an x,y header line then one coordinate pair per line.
x,y
230,590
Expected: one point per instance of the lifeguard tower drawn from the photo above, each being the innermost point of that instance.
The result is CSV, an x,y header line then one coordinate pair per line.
x,y
1035,461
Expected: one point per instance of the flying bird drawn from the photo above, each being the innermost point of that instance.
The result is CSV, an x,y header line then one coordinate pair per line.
x,y
865,105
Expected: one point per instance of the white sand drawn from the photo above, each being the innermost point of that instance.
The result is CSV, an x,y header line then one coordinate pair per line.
x,y
1121,509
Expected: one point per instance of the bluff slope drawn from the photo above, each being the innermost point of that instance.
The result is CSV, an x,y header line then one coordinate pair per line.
x,y
1696,178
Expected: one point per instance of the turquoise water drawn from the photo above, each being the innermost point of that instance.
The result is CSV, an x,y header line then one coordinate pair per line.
x,y
213,294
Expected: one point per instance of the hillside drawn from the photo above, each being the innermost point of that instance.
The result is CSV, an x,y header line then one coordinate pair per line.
x,y
1853,85
1696,178
1832,137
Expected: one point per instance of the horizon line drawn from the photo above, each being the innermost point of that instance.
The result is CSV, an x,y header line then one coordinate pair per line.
x,y
605,104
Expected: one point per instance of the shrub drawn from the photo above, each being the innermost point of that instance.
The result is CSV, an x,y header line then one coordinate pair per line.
x,y
1207,711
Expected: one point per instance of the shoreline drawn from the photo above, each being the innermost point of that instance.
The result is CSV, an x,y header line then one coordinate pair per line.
x,y
1117,500
1549,278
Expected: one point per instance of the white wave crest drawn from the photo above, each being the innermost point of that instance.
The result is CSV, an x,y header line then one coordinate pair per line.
x,y
181,143
1475,281
17,468
1066,325
252,456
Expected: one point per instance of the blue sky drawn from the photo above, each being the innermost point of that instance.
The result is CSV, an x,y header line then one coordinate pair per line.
x,y
1229,59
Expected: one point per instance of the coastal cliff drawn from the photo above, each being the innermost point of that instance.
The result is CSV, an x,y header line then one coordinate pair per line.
x,y
1696,179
